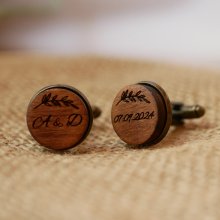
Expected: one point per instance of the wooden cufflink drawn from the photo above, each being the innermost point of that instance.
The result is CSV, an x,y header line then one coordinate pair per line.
x,y
142,113
60,117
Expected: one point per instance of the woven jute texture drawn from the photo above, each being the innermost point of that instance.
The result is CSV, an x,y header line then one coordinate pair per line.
x,y
103,178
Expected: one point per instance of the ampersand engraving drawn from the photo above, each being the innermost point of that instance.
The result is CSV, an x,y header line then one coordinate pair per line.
x,y
51,121
50,100
57,123
59,117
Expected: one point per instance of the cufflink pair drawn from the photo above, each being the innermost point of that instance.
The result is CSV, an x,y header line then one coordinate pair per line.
x,y
60,117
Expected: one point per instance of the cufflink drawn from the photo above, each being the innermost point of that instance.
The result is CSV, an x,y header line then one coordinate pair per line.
x,y
60,117
142,113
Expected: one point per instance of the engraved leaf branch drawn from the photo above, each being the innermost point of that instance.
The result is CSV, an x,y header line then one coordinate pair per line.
x,y
50,100
127,96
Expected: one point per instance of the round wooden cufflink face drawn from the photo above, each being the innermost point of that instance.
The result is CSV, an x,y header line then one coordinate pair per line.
x,y
141,114
59,117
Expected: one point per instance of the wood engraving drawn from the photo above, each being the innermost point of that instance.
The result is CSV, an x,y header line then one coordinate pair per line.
x,y
131,96
51,121
146,116
51,101
136,121
136,116
58,117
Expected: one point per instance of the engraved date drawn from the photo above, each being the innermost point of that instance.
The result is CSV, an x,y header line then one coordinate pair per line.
x,y
133,117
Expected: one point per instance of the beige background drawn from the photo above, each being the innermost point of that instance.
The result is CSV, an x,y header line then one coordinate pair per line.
x,y
183,31
103,178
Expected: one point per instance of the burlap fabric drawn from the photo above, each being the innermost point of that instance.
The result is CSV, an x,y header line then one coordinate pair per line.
x,y
103,178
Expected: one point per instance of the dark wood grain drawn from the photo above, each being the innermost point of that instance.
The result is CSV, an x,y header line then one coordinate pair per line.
x,y
59,117
141,114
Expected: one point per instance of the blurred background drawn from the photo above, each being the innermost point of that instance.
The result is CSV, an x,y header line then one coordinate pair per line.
x,y
176,31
